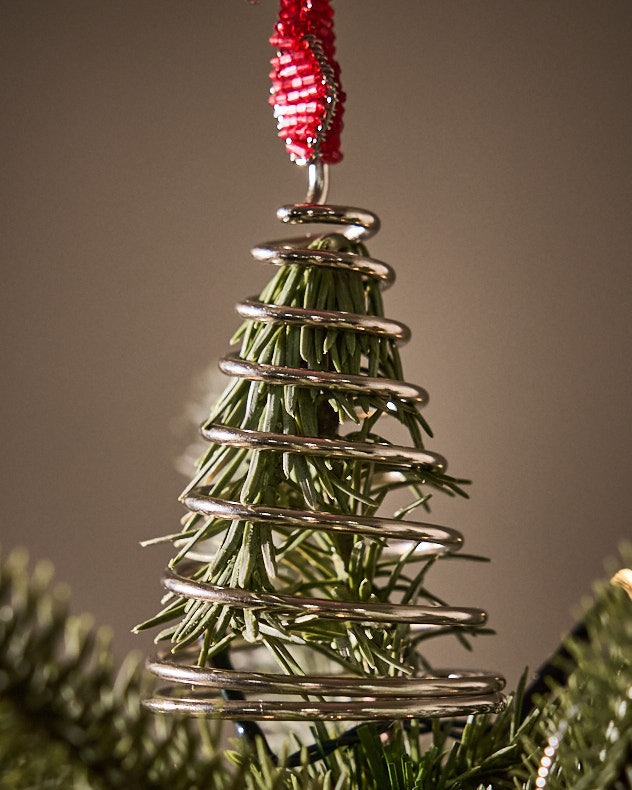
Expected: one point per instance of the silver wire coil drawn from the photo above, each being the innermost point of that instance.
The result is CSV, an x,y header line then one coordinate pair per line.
x,y
451,693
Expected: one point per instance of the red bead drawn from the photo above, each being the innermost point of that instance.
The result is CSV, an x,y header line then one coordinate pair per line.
x,y
300,93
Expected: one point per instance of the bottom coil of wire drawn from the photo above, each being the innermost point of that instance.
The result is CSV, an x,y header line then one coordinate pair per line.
x,y
220,693
376,709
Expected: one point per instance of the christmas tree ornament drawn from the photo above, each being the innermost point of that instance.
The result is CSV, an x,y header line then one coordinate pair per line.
x,y
282,554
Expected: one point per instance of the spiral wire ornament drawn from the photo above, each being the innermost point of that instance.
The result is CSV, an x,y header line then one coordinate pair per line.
x,y
210,691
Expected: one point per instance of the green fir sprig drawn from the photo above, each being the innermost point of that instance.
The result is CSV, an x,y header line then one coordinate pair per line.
x,y
306,562
67,719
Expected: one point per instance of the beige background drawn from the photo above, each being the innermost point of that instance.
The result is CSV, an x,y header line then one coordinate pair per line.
x,y
140,163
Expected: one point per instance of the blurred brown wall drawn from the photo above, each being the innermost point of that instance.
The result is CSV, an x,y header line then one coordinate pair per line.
x,y
140,163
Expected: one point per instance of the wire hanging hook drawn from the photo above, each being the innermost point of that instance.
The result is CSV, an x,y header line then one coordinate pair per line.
x,y
318,182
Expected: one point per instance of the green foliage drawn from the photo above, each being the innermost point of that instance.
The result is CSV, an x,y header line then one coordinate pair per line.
x,y
591,715
67,720
486,753
261,772
307,562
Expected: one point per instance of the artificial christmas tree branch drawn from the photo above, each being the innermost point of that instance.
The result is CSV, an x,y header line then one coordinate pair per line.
x,y
67,720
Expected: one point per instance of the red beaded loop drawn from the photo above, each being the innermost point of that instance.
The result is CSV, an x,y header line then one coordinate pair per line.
x,y
306,93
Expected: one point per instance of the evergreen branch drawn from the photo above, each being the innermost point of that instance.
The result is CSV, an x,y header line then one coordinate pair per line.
x,y
590,714
67,719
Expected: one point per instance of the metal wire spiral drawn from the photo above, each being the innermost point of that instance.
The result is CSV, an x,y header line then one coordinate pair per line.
x,y
451,693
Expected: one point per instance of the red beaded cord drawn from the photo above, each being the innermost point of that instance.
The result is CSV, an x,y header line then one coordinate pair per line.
x,y
306,93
